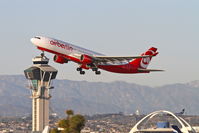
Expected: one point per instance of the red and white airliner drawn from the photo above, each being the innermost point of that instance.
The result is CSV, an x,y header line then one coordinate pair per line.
x,y
88,59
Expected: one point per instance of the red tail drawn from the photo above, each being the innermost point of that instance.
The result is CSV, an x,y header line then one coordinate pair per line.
x,y
144,62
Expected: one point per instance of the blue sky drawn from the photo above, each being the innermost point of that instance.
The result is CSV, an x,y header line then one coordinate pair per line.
x,y
112,27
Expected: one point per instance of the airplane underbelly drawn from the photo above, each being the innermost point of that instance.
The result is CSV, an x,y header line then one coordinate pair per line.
x,y
118,68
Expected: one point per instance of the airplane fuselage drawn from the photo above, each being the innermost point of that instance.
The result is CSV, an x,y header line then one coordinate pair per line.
x,y
75,53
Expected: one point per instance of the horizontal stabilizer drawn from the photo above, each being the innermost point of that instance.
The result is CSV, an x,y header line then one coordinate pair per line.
x,y
149,70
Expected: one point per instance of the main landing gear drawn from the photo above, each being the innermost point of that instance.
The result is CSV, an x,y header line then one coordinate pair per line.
x,y
83,72
42,54
80,71
96,71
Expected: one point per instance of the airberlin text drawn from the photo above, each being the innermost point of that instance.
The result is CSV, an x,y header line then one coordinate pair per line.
x,y
61,45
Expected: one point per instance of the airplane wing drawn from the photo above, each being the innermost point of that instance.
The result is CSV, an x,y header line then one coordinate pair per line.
x,y
105,59
149,70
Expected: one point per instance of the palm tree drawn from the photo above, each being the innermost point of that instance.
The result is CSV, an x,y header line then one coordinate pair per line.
x,y
69,113
72,123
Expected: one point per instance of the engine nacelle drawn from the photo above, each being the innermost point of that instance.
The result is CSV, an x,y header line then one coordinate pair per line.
x,y
85,59
60,59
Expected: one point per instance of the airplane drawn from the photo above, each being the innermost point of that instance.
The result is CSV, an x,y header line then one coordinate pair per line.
x,y
180,113
87,59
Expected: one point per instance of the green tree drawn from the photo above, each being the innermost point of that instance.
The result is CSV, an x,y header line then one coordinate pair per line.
x,y
64,123
77,122
72,123
54,130
69,113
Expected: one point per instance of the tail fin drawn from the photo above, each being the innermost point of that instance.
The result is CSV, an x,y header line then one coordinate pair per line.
x,y
144,62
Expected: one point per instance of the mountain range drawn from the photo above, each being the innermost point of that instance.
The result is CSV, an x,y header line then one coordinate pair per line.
x,y
98,97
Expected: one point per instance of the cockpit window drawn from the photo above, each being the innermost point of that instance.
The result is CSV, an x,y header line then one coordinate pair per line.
x,y
37,37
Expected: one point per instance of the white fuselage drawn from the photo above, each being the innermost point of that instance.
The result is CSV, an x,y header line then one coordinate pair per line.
x,y
88,59
61,47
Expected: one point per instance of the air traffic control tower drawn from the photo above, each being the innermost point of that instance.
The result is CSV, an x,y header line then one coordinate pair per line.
x,y
39,76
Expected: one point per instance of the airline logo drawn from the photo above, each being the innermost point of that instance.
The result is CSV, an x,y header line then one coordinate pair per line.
x,y
61,45
145,61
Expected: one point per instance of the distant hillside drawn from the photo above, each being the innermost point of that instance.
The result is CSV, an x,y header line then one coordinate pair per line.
x,y
97,97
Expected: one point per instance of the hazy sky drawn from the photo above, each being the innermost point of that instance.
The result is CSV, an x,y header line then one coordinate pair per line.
x,y
112,27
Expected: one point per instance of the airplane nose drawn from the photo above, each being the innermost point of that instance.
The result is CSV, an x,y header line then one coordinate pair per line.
x,y
32,40
35,41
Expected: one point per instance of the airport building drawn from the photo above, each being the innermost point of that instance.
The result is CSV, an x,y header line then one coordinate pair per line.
x,y
176,125
39,76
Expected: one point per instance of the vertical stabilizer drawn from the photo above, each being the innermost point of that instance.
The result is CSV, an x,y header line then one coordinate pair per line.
x,y
144,62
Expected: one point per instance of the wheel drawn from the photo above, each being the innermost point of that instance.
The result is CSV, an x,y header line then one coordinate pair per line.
x,y
82,72
42,54
98,72
79,69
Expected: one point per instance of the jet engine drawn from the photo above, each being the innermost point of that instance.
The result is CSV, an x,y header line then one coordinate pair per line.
x,y
60,59
85,59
